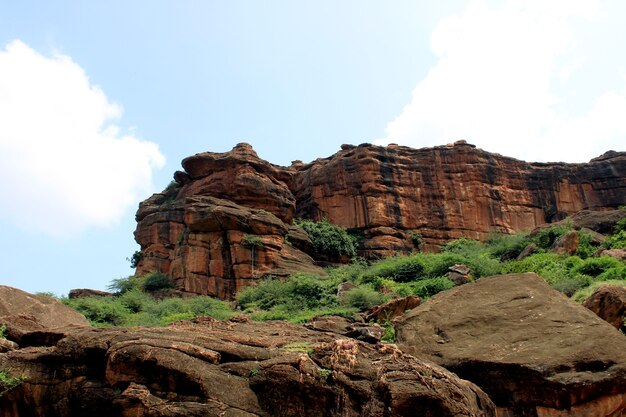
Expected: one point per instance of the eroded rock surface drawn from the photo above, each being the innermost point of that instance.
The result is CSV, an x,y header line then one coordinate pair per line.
x,y
397,199
24,313
609,303
533,350
235,368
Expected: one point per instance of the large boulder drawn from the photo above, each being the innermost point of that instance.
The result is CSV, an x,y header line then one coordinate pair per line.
x,y
24,313
235,369
609,303
533,350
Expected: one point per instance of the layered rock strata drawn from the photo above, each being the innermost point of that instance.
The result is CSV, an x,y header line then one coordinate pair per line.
x,y
231,369
228,218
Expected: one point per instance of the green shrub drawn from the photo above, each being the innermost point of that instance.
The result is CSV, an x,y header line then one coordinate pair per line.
x,y
135,300
504,246
100,311
616,241
571,284
7,383
155,281
363,297
551,266
596,266
429,287
463,246
328,239
3,331
122,285
135,258
546,237
617,272
585,248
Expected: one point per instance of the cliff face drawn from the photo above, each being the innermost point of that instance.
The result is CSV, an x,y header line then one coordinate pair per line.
x,y
228,219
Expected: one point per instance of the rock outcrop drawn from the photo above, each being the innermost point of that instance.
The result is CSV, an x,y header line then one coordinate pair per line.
x,y
533,350
609,303
234,369
23,313
227,220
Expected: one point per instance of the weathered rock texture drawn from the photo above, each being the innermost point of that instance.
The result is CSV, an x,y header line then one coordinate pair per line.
x,y
24,313
230,369
609,303
195,231
533,350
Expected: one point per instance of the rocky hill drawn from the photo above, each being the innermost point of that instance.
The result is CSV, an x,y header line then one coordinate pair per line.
x,y
228,219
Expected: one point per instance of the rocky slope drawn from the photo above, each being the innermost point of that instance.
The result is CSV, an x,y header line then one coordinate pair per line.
x,y
227,220
231,369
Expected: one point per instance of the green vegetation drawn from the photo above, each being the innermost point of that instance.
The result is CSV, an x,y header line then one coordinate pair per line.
x,y
3,331
134,304
328,239
301,297
7,383
135,259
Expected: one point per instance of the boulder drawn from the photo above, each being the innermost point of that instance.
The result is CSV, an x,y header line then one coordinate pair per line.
x,y
391,309
459,274
619,254
23,313
236,368
87,292
527,251
567,244
533,350
609,303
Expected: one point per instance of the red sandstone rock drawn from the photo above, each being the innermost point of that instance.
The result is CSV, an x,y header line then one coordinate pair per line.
x,y
392,309
388,195
609,303
235,368
567,244
23,313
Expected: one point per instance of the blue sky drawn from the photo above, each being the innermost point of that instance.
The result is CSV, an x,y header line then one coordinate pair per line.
x,y
100,101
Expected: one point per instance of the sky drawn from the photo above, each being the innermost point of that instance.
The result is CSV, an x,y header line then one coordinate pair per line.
x,y
100,101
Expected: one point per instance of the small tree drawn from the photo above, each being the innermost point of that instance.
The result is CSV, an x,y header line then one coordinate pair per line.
x,y
252,242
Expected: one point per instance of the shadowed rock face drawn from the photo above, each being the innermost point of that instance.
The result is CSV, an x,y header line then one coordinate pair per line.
x,y
533,350
195,230
235,369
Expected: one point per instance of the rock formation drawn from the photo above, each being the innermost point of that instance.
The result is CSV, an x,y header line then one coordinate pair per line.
x,y
227,220
232,369
609,303
533,350
23,313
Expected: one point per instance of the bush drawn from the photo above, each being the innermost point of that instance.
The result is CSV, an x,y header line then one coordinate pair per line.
x,y
617,241
107,311
596,266
155,281
122,285
363,297
429,287
7,383
545,238
328,239
507,247
571,284
585,247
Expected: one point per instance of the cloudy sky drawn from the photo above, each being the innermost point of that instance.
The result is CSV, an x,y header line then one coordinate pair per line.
x,y
100,101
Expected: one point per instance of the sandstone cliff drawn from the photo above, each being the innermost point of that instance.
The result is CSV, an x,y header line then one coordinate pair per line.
x,y
227,220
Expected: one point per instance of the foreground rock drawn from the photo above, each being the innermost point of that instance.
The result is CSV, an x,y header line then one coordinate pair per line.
x,y
609,303
234,369
534,351
24,313
227,221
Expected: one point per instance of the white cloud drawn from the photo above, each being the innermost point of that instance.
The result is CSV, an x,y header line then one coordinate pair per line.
x,y
65,165
501,81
